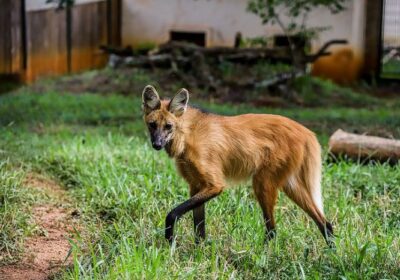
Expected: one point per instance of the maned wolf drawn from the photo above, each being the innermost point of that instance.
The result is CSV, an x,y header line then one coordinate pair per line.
x,y
276,152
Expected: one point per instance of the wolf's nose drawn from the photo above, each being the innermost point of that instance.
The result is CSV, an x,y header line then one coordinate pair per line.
x,y
157,146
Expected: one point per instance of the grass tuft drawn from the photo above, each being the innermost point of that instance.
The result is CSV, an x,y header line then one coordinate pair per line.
x,y
15,222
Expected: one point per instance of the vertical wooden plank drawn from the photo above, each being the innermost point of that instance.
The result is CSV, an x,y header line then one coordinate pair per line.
x,y
373,29
5,37
3,24
89,31
115,13
68,30
46,41
10,39
16,39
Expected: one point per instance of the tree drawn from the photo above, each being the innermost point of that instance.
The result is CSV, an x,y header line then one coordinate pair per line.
x,y
62,3
297,12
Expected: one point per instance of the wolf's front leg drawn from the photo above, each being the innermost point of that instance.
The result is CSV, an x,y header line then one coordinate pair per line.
x,y
199,220
194,202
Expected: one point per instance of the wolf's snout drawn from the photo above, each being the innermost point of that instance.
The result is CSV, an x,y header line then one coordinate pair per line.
x,y
157,146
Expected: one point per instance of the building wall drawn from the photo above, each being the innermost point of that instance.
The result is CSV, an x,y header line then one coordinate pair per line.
x,y
151,20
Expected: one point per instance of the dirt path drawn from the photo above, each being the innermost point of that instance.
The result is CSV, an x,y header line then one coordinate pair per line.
x,y
47,252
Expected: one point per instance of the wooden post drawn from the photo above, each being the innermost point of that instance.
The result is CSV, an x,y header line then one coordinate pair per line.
x,y
373,44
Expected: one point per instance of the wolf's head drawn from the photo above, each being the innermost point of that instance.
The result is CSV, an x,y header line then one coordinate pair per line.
x,y
162,116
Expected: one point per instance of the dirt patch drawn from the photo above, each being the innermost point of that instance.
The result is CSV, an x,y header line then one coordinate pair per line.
x,y
48,251
49,187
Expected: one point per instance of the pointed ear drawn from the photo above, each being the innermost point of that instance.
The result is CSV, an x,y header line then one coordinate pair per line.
x,y
178,104
150,99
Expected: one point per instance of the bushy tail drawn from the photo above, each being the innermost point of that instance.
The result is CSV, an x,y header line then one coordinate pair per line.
x,y
304,188
311,172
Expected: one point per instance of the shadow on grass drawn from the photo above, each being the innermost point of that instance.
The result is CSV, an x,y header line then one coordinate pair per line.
x,y
9,83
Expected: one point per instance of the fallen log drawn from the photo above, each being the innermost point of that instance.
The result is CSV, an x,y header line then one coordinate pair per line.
x,y
186,59
364,147
226,53
157,60
183,52
279,78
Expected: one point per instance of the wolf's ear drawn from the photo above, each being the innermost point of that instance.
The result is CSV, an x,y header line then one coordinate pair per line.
x,y
178,104
150,99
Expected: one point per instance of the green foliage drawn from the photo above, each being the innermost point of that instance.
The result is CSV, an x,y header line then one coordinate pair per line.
x,y
297,11
316,92
144,47
61,4
391,69
259,41
267,70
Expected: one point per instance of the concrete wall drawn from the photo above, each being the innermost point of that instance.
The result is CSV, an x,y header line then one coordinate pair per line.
x,y
151,20
145,21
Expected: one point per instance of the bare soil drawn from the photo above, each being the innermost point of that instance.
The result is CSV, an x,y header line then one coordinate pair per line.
x,y
48,251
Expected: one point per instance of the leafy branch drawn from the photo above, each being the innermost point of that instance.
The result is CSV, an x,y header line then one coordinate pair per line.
x,y
61,4
297,12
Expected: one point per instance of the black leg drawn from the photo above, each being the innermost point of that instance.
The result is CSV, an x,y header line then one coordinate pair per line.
x,y
327,232
270,231
190,204
199,223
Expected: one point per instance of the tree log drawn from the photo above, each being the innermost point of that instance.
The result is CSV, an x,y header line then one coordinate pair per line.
x,y
364,147
226,53
199,64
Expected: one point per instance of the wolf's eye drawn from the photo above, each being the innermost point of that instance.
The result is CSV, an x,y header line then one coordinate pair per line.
x,y
153,125
168,126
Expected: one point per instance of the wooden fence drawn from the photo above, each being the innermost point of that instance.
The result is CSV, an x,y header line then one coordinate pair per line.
x,y
48,42
10,39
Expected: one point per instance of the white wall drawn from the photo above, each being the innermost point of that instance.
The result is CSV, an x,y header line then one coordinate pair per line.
x,y
358,17
151,21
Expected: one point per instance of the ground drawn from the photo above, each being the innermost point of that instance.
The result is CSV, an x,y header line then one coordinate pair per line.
x,y
45,252
118,190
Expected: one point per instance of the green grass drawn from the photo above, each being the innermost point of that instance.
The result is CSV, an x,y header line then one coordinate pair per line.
x,y
14,211
391,69
235,83
316,92
96,147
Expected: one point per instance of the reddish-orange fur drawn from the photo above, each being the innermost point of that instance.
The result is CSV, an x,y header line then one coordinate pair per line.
x,y
277,153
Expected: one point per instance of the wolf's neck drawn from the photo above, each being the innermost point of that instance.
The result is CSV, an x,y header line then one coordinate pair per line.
x,y
176,147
